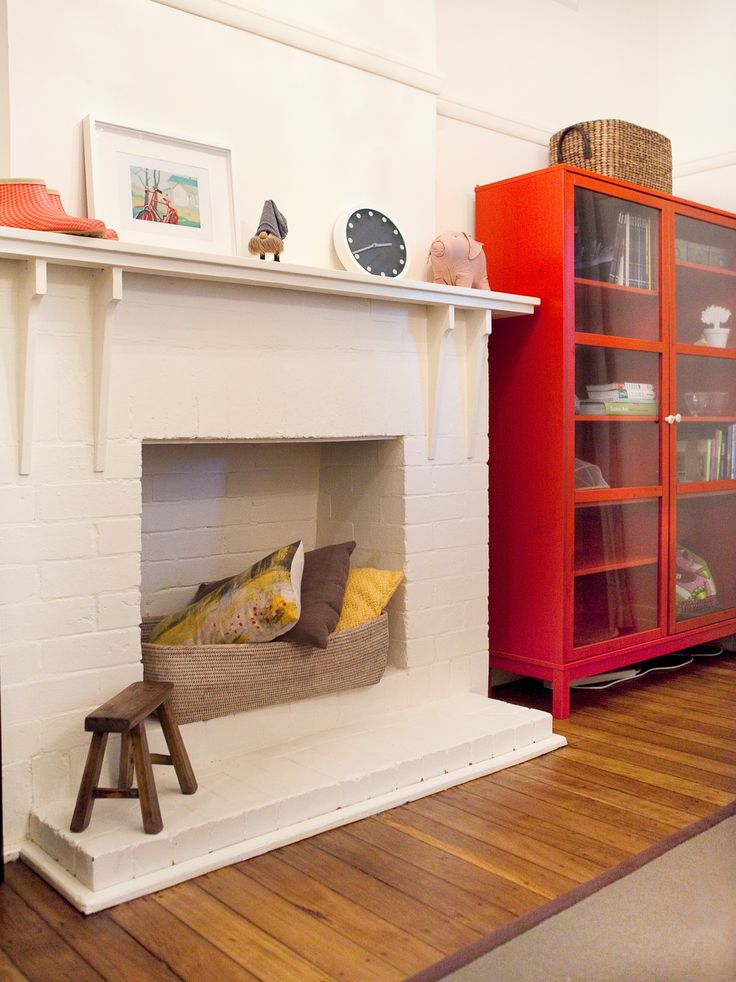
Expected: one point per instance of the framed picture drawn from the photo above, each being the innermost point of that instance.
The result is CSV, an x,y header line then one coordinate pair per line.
x,y
160,190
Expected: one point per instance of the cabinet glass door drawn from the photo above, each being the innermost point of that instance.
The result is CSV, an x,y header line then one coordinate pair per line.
x,y
618,433
704,561
616,569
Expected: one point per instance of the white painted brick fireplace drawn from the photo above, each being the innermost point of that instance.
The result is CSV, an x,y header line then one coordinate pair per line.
x,y
172,419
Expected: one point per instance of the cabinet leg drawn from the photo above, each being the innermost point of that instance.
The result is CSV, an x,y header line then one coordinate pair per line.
x,y
560,695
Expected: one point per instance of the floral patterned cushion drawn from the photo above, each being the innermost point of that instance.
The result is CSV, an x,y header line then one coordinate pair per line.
x,y
258,604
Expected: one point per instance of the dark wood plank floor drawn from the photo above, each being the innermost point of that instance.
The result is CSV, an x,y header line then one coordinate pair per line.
x,y
384,897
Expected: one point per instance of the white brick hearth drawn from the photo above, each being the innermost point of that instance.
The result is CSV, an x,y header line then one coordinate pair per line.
x,y
177,418
249,804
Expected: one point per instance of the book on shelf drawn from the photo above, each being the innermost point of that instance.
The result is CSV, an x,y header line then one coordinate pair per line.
x,y
632,252
708,459
638,391
617,407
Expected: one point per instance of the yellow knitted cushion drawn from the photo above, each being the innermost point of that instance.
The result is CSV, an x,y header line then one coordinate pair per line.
x,y
366,594
258,604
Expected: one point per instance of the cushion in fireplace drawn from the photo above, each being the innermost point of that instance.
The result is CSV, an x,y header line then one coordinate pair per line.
x,y
259,604
323,587
366,594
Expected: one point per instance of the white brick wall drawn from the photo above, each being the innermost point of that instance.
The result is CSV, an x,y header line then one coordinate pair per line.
x,y
188,367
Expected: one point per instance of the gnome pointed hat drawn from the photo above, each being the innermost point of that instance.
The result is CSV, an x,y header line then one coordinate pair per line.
x,y
272,220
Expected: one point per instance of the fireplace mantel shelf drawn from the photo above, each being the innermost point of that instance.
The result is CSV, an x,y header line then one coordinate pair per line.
x,y
109,260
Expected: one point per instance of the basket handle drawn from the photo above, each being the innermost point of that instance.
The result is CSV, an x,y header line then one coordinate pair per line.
x,y
587,152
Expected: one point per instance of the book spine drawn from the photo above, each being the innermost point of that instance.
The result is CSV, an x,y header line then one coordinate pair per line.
x,y
622,390
618,408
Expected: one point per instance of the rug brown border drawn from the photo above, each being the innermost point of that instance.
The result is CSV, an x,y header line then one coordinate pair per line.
x,y
502,935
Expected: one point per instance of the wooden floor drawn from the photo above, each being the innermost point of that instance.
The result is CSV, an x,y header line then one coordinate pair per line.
x,y
389,895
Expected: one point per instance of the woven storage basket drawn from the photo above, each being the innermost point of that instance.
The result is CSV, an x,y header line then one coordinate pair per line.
x,y
694,608
617,149
221,679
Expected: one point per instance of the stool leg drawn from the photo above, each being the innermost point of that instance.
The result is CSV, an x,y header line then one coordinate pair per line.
x,y
147,794
179,755
125,772
83,808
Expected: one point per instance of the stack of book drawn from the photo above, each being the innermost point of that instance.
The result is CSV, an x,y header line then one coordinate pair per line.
x,y
632,252
618,399
709,459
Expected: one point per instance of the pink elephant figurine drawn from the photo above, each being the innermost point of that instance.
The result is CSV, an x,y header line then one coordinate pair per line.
x,y
458,260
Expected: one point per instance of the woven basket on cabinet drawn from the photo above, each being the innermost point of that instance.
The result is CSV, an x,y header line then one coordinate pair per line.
x,y
618,149
221,679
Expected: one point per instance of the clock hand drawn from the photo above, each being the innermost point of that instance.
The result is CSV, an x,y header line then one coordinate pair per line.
x,y
373,245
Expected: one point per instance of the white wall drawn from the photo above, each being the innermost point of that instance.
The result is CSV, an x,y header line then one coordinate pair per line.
x,y
403,32
516,72
697,92
546,64
316,135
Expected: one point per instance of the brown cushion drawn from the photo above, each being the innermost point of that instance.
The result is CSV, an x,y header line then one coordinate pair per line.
x,y
323,587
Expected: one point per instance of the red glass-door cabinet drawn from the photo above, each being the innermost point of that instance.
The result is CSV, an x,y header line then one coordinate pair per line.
x,y
612,425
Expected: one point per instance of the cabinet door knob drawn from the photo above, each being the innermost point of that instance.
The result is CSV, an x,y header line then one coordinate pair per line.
x,y
673,419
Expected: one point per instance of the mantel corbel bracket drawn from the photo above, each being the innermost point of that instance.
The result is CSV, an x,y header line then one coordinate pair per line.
x,y
108,292
440,323
31,287
477,331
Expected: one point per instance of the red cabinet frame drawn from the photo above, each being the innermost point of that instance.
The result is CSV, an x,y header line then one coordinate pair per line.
x,y
527,226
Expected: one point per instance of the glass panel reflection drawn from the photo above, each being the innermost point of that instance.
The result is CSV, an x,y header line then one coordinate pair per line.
x,y
705,257
705,452
616,559
705,573
706,387
616,267
622,455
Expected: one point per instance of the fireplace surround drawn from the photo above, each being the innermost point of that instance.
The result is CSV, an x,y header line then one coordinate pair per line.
x,y
174,418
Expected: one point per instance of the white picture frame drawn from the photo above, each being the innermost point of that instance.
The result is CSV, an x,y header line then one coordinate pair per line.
x,y
130,171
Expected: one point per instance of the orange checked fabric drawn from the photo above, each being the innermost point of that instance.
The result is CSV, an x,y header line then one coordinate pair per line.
x,y
24,203
55,202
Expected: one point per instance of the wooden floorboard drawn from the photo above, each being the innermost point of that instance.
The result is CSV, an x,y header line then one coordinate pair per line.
x,y
385,897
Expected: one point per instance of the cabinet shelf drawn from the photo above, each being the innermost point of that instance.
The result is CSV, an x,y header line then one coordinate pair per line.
x,y
601,566
699,488
684,265
704,351
616,496
601,284
608,341
624,418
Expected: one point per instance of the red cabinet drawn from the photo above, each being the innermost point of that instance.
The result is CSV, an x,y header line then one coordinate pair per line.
x,y
612,425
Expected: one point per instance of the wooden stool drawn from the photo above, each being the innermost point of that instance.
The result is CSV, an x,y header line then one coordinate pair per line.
x,y
126,713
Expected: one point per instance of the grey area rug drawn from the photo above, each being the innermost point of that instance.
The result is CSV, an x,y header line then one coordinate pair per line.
x,y
666,915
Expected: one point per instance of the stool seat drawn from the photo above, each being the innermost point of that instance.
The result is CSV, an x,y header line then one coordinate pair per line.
x,y
126,710
126,714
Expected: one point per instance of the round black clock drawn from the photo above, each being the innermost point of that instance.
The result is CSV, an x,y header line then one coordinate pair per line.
x,y
367,240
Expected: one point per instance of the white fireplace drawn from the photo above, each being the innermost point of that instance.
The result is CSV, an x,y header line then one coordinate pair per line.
x,y
177,418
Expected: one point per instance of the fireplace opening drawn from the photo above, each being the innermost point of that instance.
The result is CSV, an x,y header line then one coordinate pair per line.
x,y
211,510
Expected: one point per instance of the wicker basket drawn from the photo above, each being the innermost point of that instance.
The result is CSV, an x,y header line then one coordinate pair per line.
x,y
221,679
695,608
617,149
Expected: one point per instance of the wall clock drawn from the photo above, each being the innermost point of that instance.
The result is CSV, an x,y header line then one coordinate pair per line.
x,y
368,241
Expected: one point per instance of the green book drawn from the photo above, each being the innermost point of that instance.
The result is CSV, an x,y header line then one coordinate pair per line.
x,y
594,407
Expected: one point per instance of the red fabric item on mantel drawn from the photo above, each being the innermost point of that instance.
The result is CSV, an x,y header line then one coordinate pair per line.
x,y
25,203
55,199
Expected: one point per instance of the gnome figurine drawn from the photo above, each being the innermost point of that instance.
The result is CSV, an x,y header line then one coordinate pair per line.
x,y
270,234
